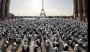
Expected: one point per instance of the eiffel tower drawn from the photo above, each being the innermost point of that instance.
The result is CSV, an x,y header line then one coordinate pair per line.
x,y
42,14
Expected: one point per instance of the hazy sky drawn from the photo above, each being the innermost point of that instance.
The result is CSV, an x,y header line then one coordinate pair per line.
x,y
33,7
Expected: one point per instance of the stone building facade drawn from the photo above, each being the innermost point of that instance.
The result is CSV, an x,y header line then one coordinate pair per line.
x,y
80,9
4,9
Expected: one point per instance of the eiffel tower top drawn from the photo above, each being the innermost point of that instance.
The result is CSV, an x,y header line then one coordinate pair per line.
x,y
42,4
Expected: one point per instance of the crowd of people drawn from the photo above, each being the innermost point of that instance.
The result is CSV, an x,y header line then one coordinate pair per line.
x,y
58,34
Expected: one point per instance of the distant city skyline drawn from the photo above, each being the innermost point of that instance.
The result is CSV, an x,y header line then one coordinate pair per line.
x,y
33,7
